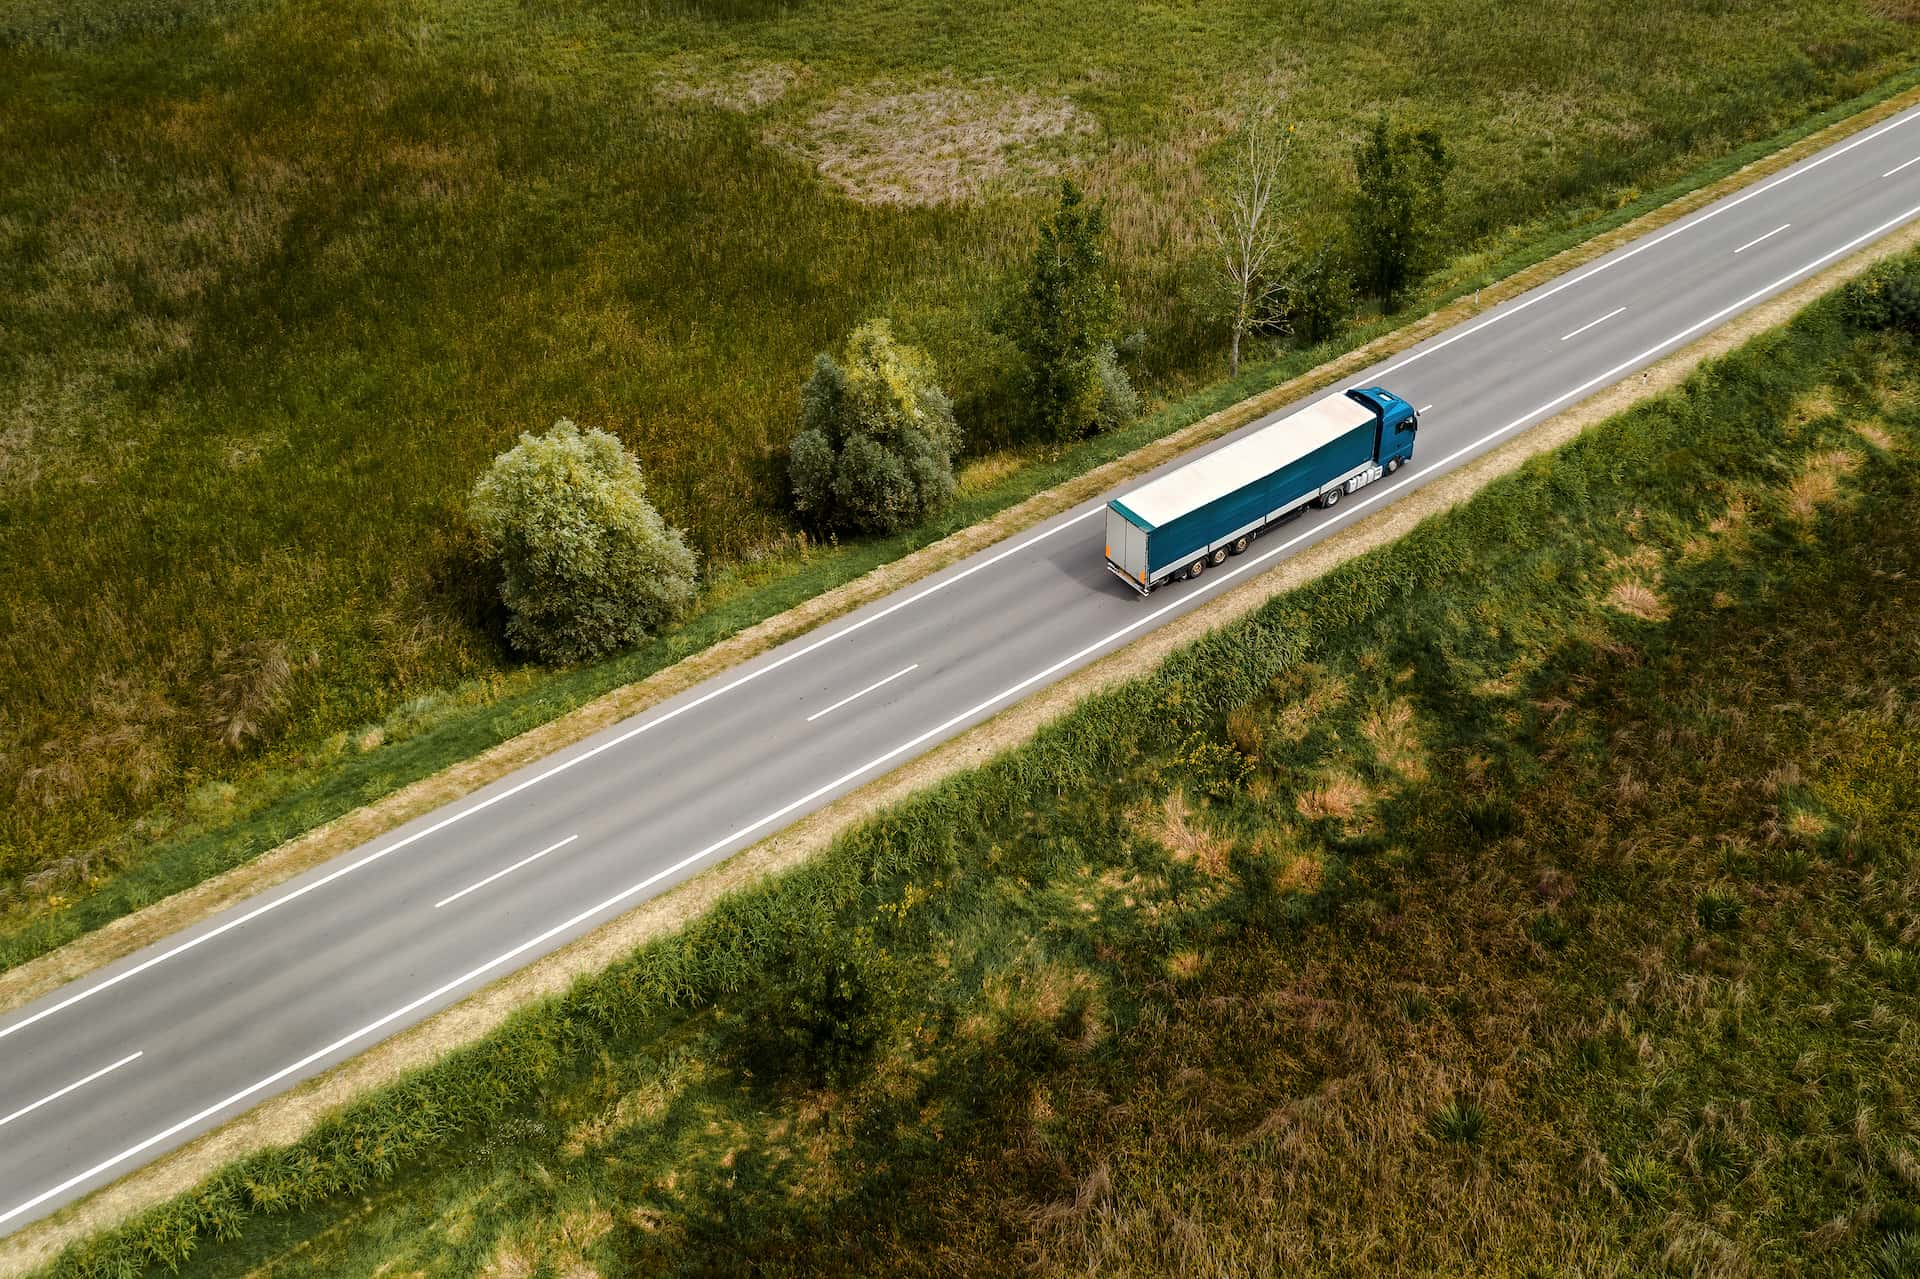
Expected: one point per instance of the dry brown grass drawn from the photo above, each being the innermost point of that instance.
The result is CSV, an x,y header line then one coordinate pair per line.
x,y
511,1260
1338,795
1818,484
1813,406
1636,599
1317,693
1294,869
1042,994
1186,839
888,143
1872,434
739,86
1396,739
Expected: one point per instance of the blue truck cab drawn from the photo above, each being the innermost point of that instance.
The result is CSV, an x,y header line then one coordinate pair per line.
x,y
1398,423
1180,523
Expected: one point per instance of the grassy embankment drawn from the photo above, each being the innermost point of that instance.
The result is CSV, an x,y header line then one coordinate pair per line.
x,y
1535,895
277,278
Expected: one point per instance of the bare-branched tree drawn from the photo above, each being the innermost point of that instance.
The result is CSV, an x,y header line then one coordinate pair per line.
x,y
1248,221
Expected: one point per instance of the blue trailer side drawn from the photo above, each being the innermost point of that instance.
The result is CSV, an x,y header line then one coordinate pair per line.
x,y
1215,505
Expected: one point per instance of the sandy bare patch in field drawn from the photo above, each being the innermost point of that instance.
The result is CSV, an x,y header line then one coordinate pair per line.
x,y
744,87
886,143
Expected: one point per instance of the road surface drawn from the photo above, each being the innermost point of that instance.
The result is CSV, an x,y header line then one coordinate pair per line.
x,y
139,1057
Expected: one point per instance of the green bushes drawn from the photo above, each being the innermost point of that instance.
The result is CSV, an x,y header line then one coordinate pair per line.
x,y
1884,299
1396,215
587,565
1064,327
1320,302
875,448
833,1006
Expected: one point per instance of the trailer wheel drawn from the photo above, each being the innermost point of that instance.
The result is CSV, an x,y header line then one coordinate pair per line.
x,y
1393,464
1198,567
1242,542
1218,558
1330,499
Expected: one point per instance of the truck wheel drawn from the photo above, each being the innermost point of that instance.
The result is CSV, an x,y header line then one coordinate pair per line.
x,y
1218,558
1393,464
1198,567
1330,499
1242,542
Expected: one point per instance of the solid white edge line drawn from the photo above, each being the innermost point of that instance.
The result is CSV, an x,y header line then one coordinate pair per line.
x,y
1612,261
1768,236
1903,164
555,770
1208,584
863,692
1590,323
78,1083
524,861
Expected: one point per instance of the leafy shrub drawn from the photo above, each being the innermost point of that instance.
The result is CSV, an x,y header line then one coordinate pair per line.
x,y
1119,403
1398,209
874,452
587,564
1320,301
1883,300
828,1013
1214,767
1064,323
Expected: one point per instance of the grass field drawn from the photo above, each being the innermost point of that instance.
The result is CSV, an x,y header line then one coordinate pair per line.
x,y
277,278
1533,896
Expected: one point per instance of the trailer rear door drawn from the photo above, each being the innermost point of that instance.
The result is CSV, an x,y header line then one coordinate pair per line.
x,y
1127,546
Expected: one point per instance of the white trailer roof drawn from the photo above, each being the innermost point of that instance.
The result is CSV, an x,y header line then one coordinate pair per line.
x,y
1206,479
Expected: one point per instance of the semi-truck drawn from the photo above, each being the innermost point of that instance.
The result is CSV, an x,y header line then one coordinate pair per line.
x,y
1193,517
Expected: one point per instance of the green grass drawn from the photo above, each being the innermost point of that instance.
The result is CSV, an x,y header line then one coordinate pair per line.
x,y
1533,895
277,278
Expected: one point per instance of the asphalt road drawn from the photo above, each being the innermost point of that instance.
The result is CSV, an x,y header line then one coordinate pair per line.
x,y
103,1075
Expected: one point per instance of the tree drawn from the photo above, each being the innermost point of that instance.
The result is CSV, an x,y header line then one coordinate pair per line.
x,y
1319,295
1247,222
1064,324
1403,194
876,440
587,564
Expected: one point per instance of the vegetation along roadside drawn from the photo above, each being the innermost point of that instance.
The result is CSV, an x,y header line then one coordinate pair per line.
x,y
369,705
1537,889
